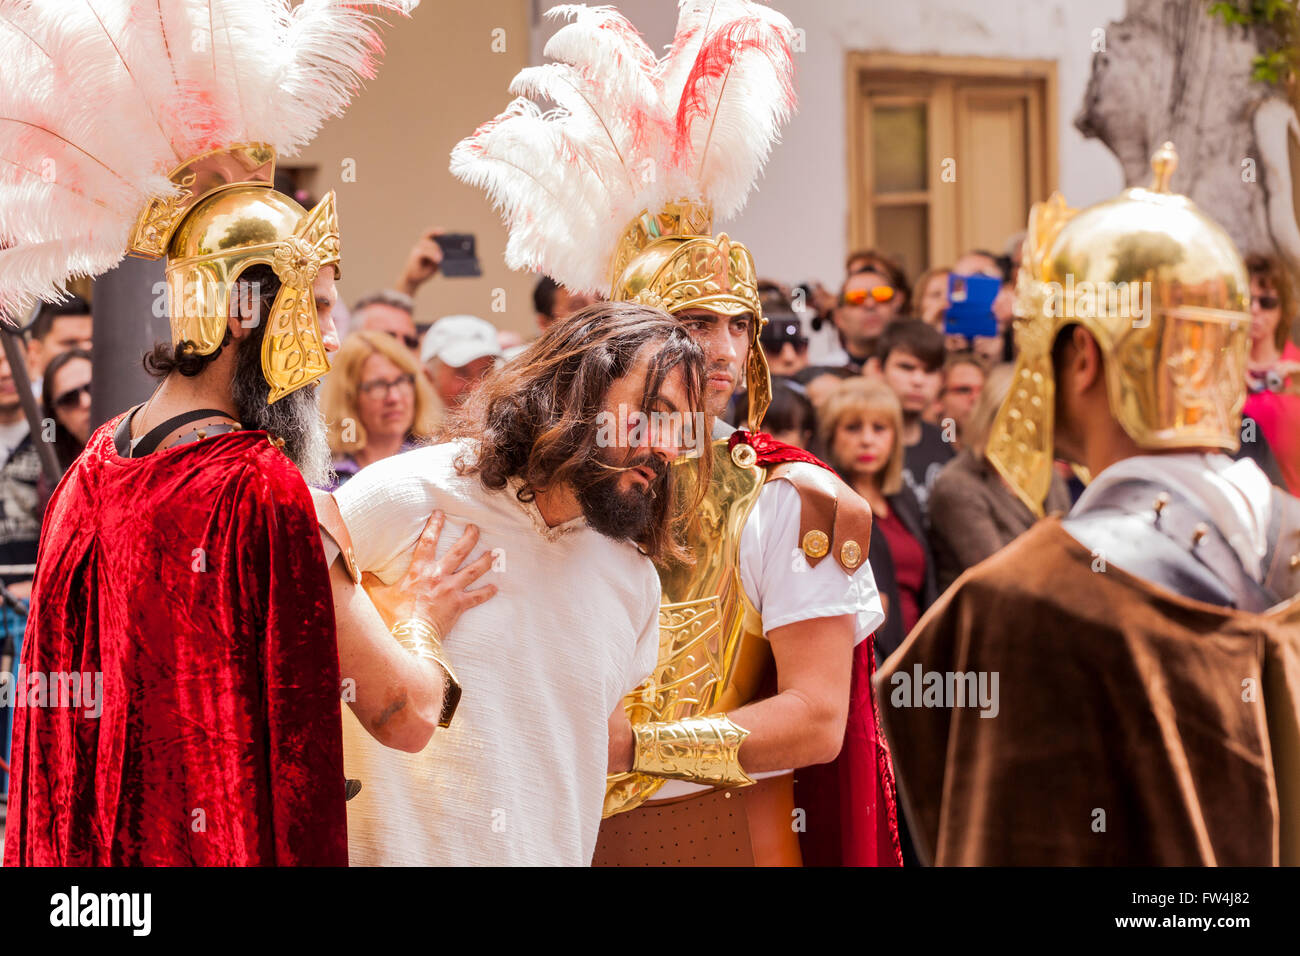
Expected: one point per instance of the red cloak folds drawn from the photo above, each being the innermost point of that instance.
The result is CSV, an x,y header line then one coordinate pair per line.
x,y
850,803
194,582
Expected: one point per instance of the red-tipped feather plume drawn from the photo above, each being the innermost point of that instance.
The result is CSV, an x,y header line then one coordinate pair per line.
x,y
739,91
630,132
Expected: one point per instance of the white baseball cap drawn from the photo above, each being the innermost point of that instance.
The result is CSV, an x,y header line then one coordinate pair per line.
x,y
457,340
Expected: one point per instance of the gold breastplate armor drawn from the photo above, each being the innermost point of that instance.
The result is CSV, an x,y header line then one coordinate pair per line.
x,y
712,656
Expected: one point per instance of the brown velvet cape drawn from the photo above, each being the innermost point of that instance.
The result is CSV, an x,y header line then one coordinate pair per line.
x,y
1133,727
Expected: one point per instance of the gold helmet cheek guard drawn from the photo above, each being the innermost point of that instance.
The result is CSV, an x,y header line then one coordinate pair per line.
x,y
226,219
1163,291
293,348
680,273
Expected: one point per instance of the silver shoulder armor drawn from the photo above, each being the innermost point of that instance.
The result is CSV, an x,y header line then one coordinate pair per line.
x,y
1152,533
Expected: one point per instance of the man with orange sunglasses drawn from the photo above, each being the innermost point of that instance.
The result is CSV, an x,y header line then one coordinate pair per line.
x,y
868,301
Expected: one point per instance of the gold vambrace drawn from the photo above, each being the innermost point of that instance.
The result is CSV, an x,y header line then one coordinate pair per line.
x,y
699,749
420,639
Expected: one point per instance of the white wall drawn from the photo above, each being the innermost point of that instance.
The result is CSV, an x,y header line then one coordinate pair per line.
x,y
796,223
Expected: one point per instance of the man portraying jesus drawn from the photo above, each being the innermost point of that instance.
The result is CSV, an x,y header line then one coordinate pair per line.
x,y
519,776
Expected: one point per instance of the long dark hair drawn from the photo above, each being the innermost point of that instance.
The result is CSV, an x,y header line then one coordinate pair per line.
x,y
537,418
66,445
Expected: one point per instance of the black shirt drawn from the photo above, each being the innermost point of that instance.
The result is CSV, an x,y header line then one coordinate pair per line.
x,y
922,463
20,507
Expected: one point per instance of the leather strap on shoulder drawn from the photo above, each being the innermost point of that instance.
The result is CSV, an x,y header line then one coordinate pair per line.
x,y
833,518
331,523
150,443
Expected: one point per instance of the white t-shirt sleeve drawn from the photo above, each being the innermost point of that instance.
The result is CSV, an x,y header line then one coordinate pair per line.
x,y
646,653
385,506
781,584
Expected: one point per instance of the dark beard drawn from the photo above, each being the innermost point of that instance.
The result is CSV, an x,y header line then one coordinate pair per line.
x,y
296,417
623,516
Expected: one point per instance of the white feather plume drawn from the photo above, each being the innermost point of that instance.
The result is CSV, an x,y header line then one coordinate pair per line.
x,y
695,20
101,99
630,131
732,99
569,180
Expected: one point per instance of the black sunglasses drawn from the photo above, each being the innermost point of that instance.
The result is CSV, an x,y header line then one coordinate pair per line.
x,y
1267,301
72,399
775,347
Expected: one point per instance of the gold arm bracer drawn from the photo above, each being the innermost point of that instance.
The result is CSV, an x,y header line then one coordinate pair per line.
x,y
699,749
421,640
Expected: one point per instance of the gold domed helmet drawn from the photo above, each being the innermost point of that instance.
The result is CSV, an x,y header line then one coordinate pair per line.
x,y
1163,290
227,218
671,261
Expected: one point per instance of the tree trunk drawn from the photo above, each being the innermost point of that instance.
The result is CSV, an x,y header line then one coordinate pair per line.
x,y
1170,71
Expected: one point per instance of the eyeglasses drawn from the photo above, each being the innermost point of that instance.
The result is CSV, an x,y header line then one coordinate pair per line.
x,y
379,387
72,399
880,293
1267,301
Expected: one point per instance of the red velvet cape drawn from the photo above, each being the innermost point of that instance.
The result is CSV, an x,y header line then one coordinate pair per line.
x,y
193,579
850,804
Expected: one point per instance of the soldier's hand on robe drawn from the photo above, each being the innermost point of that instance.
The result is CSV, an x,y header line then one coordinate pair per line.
x,y
438,590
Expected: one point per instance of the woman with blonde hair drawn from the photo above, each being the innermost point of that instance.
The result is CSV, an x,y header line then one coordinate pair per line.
x,y
375,402
862,428
973,512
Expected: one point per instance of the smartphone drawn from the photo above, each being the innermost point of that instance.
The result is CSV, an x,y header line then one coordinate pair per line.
x,y
459,260
970,312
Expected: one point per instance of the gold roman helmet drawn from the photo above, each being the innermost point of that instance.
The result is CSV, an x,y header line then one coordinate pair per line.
x,y
671,261
1165,293
226,218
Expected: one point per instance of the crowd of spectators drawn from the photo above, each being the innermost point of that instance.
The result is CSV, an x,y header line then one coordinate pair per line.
x,y
871,380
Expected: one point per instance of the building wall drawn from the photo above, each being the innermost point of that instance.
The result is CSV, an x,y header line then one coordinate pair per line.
x,y
796,223
439,80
